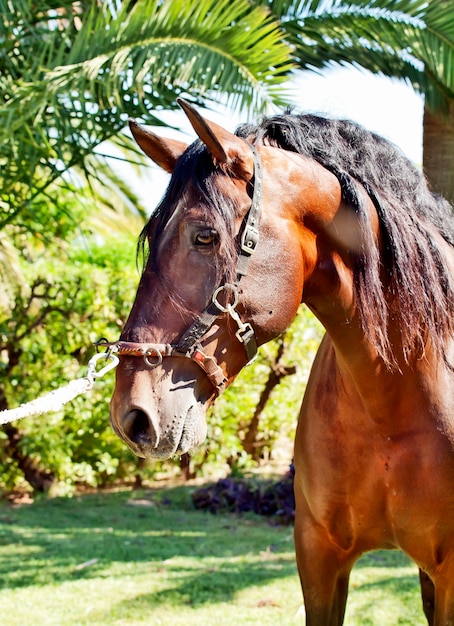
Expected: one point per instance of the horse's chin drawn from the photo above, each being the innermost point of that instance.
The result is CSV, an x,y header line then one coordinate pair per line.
x,y
183,435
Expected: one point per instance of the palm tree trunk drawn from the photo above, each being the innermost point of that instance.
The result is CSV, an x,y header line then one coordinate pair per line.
x,y
438,159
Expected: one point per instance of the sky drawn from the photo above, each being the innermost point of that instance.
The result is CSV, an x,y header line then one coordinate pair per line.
x,y
388,107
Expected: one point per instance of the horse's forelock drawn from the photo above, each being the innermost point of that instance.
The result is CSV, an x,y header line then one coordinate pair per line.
x,y
195,175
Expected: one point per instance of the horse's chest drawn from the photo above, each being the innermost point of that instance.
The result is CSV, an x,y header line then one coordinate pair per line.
x,y
382,491
377,473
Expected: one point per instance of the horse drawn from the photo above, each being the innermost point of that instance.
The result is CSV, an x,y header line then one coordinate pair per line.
x,y
299,208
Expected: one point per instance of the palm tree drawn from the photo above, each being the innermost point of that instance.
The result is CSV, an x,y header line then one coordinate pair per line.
x,y
411,40
72,72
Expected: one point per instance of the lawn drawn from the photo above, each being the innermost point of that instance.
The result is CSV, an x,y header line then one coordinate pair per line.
x,y
133,558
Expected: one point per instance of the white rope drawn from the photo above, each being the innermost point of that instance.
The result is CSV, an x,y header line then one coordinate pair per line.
x,y
55,400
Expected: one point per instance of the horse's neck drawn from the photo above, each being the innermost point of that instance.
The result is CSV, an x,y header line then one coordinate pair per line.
x,y
330,296
329,291
370,398
392,402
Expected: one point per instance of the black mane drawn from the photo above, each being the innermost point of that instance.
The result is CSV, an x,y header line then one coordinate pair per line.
x,y
344,147
417,293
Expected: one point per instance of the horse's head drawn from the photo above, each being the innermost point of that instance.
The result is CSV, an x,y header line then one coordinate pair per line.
x,y
225,273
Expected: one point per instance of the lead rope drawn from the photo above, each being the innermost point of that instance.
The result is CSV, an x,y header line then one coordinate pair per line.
x,y
55,400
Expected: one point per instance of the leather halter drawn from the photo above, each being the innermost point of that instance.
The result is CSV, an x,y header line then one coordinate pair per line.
x,y
188,345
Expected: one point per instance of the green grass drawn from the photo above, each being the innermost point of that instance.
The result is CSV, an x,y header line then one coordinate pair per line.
x,y
136,558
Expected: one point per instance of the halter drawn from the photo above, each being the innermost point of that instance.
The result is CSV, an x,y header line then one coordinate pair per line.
x,y
189,344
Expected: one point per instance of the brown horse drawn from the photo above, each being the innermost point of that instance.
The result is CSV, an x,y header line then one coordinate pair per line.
x,y
305,209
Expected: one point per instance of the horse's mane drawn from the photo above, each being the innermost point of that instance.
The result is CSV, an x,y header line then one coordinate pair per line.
x,y
417,293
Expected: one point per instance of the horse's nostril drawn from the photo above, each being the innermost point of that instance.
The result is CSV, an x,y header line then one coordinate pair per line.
x,y
138,428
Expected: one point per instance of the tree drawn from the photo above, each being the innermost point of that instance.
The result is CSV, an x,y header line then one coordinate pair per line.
x,y
438,155
72,72
75,296
411,40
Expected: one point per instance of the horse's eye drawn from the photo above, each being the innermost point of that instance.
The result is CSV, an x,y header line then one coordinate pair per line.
x,y
206,237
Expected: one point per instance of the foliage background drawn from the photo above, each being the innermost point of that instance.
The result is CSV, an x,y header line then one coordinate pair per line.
x,y
90,289
87,290
71,72
73,291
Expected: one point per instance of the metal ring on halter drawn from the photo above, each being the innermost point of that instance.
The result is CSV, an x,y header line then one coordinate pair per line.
x,y
230,287
155,354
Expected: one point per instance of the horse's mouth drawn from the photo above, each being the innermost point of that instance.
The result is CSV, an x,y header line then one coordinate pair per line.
x,y
180,437
188,439
193,432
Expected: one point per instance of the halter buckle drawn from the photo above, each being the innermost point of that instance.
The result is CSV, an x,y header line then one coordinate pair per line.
x,y
250,239
245,333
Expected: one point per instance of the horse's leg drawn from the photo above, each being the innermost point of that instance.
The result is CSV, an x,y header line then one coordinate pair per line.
x,y
324,576
325,593
444,607
444,596
428,596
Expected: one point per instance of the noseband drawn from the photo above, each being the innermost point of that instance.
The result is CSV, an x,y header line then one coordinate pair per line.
x,y
189,344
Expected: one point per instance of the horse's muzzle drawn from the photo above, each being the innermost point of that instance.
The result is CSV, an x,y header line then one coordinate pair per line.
x,y
147,439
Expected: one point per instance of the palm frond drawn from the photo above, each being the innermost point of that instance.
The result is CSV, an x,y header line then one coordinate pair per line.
x,y
73,72
157,49
409,39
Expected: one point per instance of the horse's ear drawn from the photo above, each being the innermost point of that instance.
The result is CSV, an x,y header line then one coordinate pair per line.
x,y
164,152
224,146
